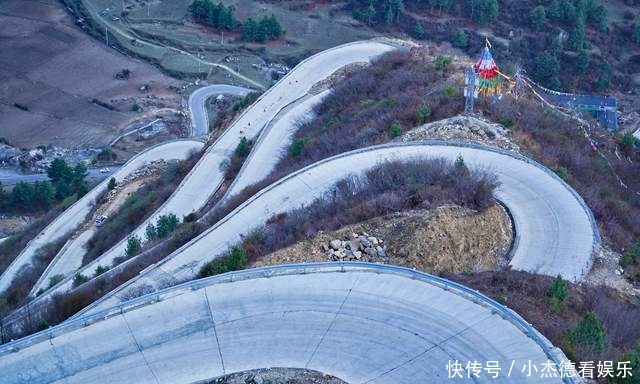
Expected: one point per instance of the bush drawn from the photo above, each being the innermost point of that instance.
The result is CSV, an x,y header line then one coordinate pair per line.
x,y
296,147
460,39
55,279
563,173
112,184
236,260
79,279
166,224
442,62
557,293
589,334
133,245
100,270
244,147
423,113
395,129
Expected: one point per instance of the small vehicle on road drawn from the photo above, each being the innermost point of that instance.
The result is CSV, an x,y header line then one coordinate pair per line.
x,y
100,220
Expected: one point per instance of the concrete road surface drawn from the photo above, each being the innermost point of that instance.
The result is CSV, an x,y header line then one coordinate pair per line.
x,y
198,106
69,259
363,323
555,230
207,175
276,138
75,215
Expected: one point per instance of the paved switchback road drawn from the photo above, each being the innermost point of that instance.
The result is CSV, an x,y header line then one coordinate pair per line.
x,y
363,323
207,175
75,215
69,259
198,105
555,230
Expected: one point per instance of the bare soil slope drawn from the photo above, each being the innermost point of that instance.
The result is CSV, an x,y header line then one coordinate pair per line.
x,y
50,73
446,239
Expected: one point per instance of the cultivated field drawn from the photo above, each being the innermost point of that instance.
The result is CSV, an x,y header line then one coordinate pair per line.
x,y
52,73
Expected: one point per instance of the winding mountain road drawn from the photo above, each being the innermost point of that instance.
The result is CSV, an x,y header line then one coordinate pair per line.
x,y
363,323
75,215
69,258
543,207
207,175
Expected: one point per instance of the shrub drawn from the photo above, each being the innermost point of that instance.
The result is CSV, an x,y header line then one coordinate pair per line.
x,y
589,334
423,113
100,270
151,232
563,173
449,90
55,279
133,245
460,39
557,293
296,147
442,62
395,129
112,183
79,279
236,260
243,148
166,224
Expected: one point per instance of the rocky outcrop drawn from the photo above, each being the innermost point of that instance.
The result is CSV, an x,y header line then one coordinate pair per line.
x,y
360,247
464,128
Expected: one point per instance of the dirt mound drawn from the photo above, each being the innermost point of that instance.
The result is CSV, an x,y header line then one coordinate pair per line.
x,y
464,128
446,239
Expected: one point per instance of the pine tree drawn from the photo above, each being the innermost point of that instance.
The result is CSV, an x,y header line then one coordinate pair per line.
x,y
418,31
538,18
43,194
460,39
22,196
249,30
582,62
577,35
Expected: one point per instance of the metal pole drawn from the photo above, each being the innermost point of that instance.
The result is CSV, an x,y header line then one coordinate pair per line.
x,y
106,34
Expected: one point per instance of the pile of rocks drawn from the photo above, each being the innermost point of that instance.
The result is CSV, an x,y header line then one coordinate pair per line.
x,y
361,247
463,128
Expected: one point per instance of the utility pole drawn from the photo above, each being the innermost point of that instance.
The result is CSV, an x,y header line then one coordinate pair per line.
x,y
106,34
222,38
470,79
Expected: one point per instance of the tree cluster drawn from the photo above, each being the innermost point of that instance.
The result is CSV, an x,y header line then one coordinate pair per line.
x,y
223,17
214,15
268,28
41,195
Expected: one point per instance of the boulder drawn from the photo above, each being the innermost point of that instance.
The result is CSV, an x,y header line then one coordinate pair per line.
x,y
353,245
335,244
370,251
380,251
364,241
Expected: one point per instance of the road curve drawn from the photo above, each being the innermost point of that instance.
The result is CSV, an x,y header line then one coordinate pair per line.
x,y
69,259
363,323
543,207
275,138
75,215
198,106
206,176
